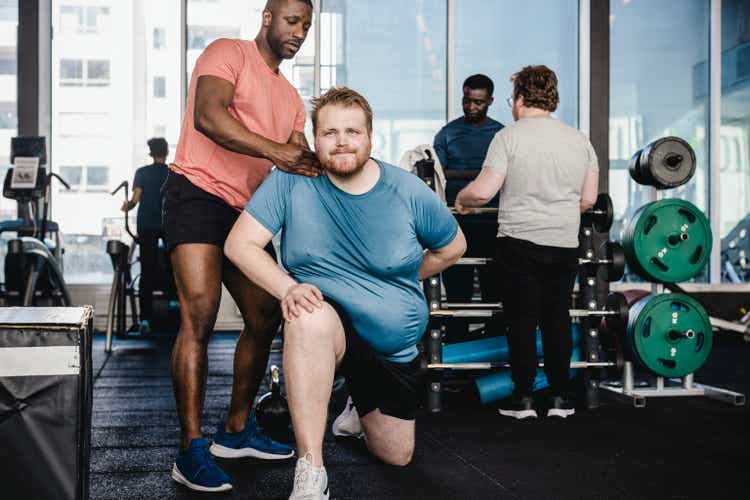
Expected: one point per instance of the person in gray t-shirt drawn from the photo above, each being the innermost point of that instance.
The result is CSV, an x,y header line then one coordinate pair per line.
x,y
547,174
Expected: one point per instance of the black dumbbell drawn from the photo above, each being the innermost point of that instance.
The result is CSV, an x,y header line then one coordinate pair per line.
x,y
601,215
272,410
611,261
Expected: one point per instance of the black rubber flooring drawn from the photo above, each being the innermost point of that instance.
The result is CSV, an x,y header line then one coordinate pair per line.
x,y
673,448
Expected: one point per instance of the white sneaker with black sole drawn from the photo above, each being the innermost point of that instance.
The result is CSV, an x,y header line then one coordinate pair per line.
x,y
310,483
519,408
347,424
560,407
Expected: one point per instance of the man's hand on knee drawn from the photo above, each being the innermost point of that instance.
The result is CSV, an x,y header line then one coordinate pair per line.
x,y
298,297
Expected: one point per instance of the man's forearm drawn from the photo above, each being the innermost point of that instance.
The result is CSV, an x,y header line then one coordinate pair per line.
x,y
262,269
222,128
471,197
433,264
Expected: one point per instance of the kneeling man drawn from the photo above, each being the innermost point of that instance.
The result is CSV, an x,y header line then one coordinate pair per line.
x,y
356,242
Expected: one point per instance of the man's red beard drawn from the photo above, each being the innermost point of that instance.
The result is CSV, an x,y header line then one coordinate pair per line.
x,y
348,170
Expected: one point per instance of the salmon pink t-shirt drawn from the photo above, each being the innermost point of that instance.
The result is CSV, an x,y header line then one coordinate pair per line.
x,y
264,102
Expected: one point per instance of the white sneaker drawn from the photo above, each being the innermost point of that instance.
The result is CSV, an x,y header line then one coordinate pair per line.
x,y
347,424
310,483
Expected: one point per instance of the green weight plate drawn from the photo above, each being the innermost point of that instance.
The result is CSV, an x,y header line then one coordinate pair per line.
x,y
668,241
669,334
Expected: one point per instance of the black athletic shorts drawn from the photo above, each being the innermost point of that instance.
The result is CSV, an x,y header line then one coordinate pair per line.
x,y
192,215
374,382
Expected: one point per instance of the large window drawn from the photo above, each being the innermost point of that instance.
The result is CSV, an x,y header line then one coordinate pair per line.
x,y
734,210
499,37
8,106
658,87
107,54
394,53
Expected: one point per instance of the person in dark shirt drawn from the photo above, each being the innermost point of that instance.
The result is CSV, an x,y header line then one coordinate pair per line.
x,y
461,147
147,194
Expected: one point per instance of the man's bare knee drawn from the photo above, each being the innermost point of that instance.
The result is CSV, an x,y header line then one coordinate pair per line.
x,y
319,324
400,456
389,439
199,314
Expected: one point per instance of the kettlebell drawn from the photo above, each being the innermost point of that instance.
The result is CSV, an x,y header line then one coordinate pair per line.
x,y
272,410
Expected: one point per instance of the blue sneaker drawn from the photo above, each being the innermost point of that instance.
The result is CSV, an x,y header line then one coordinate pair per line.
x,y
144,328
251,442
195,468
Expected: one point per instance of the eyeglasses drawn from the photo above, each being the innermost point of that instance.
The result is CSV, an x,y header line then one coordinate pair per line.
x,y
509,100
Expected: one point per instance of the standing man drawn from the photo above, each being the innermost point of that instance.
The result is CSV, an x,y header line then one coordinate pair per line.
x,y
461,147
356,243
147,191
242,118
548,174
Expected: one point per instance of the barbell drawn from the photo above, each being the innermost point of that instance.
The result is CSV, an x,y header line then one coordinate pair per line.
x,y
616,310
493,365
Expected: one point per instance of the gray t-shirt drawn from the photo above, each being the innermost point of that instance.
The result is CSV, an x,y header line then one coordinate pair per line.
x,y
545,163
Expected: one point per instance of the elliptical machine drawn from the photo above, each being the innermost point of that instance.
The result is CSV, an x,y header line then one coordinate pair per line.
x,y
125,290
33,264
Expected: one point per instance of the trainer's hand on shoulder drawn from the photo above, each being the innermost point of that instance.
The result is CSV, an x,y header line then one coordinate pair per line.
x,y
296,159
298,297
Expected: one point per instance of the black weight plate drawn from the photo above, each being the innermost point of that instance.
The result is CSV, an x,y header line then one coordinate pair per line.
x,y
667,163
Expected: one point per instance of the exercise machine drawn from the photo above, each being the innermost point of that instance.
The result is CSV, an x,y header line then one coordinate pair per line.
x,y
34,261
124,290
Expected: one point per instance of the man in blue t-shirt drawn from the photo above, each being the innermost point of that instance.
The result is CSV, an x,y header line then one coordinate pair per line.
x,y
356,242
461,146
147,191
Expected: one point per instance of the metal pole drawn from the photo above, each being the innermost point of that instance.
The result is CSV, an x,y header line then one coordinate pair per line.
x,y
434,352
714,136
317,57
627,377
687,381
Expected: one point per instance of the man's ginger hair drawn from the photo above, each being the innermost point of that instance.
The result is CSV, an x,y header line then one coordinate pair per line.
x,y
342,96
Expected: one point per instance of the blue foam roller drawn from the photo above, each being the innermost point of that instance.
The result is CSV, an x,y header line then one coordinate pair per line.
x,y
483,350
499,385
493,349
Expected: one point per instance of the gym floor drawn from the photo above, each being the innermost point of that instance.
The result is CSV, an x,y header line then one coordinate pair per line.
x,y
673,448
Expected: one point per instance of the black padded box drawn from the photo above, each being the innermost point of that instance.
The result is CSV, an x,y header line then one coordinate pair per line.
x,y
45,402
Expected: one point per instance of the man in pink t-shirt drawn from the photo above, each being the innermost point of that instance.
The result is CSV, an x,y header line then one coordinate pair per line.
x,y
242,118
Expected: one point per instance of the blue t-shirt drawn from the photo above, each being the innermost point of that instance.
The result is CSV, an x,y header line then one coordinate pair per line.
x,y
462,146
150,179
363,251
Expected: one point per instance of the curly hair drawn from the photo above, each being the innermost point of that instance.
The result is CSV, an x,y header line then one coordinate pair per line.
x,y
343,96
538,86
